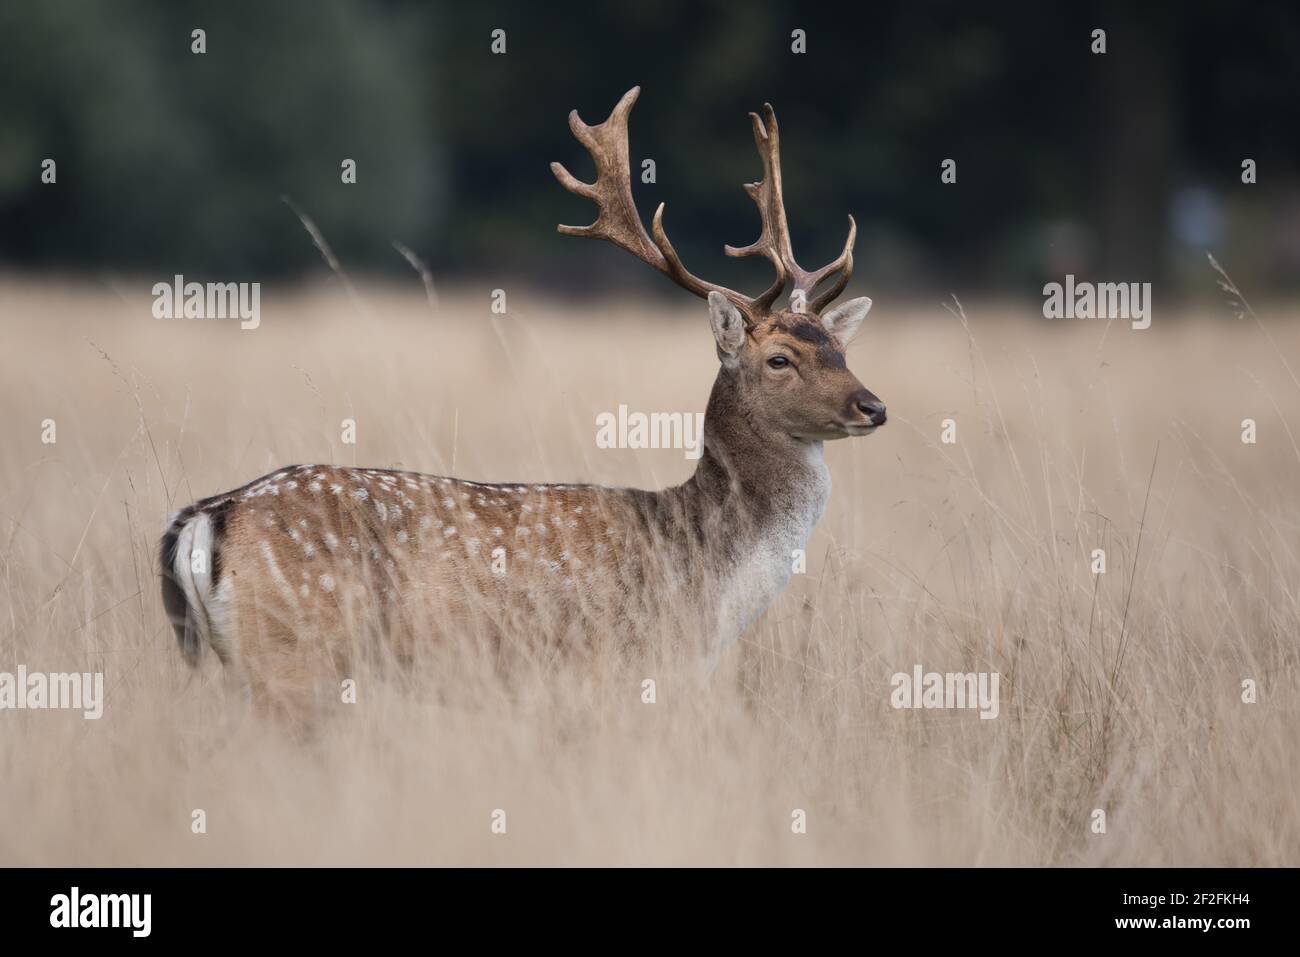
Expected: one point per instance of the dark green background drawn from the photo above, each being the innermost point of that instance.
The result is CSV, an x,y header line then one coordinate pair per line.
x,y
172,162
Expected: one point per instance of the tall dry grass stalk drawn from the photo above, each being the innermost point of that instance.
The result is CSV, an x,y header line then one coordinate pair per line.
x,y
1120,691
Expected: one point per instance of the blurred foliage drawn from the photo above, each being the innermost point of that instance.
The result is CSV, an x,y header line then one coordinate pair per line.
x,y
1066,160
173,161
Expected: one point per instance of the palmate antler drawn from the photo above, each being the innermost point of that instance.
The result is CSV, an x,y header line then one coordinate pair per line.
x,y
618,221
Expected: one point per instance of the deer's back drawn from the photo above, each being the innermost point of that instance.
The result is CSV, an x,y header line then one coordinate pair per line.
x,y
311,563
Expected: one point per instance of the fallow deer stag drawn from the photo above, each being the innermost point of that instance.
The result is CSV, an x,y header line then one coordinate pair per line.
x,y
289,577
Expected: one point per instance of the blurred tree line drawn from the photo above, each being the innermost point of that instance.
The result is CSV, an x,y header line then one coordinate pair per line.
x,y
1125,164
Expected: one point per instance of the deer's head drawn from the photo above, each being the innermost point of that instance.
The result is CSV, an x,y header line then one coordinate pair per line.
x,y
786,363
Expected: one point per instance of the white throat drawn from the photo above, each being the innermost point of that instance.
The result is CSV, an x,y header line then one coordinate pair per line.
x,y
779,546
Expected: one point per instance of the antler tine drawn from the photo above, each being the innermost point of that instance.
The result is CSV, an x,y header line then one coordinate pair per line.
x,y
617,219
683,277
843,263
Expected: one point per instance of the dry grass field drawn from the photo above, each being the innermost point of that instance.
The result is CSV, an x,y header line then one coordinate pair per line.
x,y
1120,691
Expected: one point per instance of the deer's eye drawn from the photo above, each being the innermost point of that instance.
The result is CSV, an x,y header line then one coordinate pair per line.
x,y
778,362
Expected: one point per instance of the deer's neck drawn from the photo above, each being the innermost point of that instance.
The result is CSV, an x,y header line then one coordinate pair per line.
x,y
765,483
752,503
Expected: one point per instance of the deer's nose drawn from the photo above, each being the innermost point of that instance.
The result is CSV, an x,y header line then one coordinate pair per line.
x,y
871,407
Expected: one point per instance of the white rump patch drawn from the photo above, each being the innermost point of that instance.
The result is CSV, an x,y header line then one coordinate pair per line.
x,y
195,536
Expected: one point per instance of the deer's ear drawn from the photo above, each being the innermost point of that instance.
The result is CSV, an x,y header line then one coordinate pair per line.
x,y
842,322
728,327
